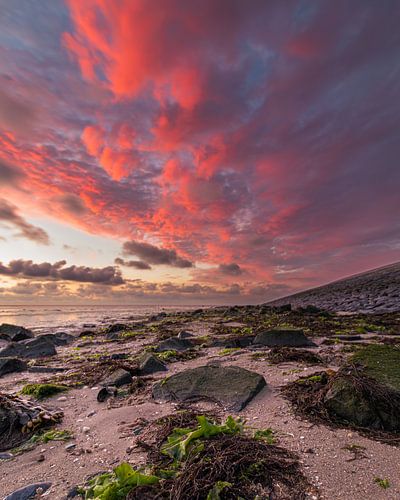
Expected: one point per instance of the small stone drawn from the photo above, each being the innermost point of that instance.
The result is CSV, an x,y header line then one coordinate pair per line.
x,y
91,413
70,446
62,398
85,430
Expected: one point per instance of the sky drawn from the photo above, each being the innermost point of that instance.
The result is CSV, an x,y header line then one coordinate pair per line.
x,y
197,151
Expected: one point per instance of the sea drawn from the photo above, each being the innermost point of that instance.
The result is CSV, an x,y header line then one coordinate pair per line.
x,y
74,318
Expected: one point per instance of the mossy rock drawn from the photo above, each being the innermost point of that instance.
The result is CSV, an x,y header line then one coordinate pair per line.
x,y
287,337
381,362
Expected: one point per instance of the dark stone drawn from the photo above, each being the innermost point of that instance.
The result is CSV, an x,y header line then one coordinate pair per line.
x,y
150,364
174,344
117,378
11,365
27,492
58,339
157,317
241,341
231,386
348,337
347,401
14,333
105,393
117,327
283,337
33,348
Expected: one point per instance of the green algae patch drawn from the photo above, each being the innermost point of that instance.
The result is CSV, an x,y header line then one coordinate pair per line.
x,y
41,391
381,362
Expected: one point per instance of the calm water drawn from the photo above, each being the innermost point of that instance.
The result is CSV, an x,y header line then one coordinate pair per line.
x,y
73,318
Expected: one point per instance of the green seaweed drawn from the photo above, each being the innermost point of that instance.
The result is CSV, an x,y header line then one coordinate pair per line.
x,y
41,391
117,484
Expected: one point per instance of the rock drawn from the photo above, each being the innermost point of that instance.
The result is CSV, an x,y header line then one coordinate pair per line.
x,y
32,348
150,364
86,430
58,339
184,335
355,403
28,492
105,393
14,333
232,386
351,338
11,365
283,337
116,327
6,456
174,344
117,378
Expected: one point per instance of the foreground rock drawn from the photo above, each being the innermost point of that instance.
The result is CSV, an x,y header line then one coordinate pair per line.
x,y
11,365
19,419
284,338
28,492
174,344
361,402
33,348
117,378
14,333
58,339
231,386
150,364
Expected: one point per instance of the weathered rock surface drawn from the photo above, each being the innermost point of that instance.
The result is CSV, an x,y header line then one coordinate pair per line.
x,y
150,364
32,348
174,344
11,365
14,333
357,404
28,492
231,386
59,338
117,378
283,337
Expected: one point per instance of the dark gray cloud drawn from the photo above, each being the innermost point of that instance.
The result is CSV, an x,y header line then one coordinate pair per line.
x,y
9,214
232,269
9,175
137,264
73,204
57,271
154,255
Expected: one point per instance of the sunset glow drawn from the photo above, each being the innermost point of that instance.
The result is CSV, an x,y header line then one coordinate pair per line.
x,y
211,151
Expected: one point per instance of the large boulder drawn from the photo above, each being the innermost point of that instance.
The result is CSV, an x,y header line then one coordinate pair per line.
x,y
174,344
150,364
32,348
14,333
11,365
231,386
363,402
285,337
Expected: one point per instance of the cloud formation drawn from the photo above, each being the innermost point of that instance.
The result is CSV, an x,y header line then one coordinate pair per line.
x,y
263,135
9,215
137,264
151,254
57,271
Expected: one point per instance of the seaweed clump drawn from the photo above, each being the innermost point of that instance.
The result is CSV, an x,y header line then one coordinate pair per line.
x,y
289,354
348,398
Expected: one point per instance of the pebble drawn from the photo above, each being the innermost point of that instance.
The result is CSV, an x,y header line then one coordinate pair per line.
x,y
91,413
62,398
70,446
6,456
85,430
40,458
